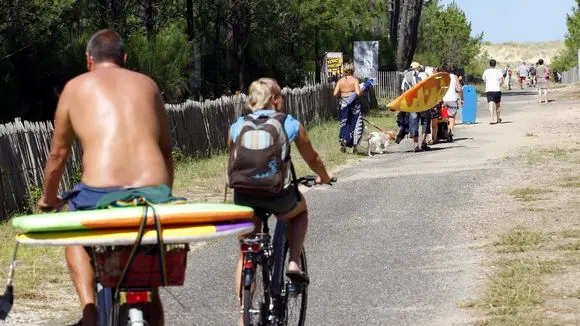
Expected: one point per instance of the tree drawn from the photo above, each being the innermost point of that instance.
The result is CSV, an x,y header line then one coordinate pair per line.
x,y
192,49
569,57
409,15
445,36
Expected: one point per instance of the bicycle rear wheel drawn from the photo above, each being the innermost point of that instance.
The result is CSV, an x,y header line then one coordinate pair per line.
x,y
121,315
112,313
296,296
255,299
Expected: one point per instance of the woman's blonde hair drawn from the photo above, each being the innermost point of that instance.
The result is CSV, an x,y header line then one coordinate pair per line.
x,y
261,92
348,68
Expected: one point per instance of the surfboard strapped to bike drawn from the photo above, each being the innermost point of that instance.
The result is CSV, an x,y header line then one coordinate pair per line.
x,y
134,249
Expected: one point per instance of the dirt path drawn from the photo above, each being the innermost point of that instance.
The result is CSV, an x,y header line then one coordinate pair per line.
x,y
534,186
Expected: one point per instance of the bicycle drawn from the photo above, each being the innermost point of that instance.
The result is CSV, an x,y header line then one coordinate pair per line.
x,y
264,262
124,298
125,276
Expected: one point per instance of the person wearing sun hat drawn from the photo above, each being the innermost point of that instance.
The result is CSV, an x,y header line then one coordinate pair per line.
x,y
409,122
410,78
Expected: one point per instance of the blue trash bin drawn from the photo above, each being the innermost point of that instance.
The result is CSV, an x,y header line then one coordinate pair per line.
x,y
469,104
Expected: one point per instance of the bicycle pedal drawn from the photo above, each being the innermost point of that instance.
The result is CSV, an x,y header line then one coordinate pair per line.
x,y
293,290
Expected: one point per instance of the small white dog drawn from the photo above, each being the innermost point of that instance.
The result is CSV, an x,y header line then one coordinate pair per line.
x,y
379,142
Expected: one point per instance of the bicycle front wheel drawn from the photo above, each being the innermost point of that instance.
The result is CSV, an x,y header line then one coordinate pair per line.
x,y
296,296
254,298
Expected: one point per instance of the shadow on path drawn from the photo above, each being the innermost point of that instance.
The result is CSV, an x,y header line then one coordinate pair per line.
x,y
519,93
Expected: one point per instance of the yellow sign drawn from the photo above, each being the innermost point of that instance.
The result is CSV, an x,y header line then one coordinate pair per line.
x,y
334,65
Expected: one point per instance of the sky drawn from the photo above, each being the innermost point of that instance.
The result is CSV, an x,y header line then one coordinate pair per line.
x,y
501,20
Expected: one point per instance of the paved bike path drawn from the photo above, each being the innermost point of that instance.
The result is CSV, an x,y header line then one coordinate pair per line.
x,y
385,246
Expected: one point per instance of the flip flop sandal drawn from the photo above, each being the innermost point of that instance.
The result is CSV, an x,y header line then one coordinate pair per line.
x,y
298,277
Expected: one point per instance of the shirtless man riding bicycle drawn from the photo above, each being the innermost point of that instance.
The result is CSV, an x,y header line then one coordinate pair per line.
x,y
119,117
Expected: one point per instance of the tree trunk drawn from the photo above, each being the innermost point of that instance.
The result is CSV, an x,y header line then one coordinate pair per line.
x,y
377,26
195,64
394,14
189,19
217,55
103,13
407,32
317,54
149,18
243,68
241,33
118,16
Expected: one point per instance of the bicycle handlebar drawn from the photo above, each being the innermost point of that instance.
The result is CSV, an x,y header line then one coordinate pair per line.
x,y
310,181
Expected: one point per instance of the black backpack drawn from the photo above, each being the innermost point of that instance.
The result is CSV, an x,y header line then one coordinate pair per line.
x,y
259,163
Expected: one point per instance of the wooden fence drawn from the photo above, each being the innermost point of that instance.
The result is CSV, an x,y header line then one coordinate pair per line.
x,y
388,84
197,128
570,76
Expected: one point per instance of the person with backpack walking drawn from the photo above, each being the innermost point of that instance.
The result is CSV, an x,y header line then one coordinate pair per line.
x,y
532,72
260,169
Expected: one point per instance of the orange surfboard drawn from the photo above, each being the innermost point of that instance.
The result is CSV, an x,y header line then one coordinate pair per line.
x,y
131,217
423,96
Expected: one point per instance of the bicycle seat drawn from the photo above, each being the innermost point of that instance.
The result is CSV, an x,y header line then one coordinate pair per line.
x,y
262,213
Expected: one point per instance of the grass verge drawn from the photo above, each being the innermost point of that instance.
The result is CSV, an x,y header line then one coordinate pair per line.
x,y
574,246
514,291
205,178
543,156
529,194
519,241
37,267
571,234
571,182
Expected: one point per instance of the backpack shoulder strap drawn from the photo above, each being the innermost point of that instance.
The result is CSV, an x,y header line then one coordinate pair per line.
x,y
294,181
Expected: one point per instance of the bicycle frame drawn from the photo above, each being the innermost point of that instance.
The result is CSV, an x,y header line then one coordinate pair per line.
x,y
271,255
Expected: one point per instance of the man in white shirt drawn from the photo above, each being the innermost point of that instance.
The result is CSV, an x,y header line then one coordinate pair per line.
x,y
493,79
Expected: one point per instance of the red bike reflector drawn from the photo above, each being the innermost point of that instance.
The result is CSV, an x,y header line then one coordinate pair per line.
x,y
136,297
255,247
245,247
248,264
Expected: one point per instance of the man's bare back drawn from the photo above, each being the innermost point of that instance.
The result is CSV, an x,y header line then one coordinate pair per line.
x,y
119,117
